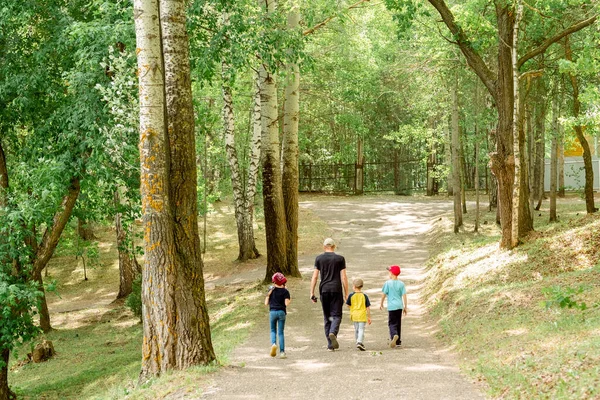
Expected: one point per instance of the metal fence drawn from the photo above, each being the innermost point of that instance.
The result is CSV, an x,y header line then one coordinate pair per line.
x,y
400,177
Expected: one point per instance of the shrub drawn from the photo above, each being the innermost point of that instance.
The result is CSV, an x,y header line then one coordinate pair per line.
x,y
134,300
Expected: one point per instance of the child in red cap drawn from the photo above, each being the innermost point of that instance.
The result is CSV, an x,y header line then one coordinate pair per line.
x,y
395,290
278,299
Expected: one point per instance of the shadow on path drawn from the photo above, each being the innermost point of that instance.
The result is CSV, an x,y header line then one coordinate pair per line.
x,y
371,235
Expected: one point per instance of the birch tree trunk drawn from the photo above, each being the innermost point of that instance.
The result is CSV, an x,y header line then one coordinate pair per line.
x,y
456,186
516,148
275,225
232,157
159,273
192,330
176,330
254,164
290,175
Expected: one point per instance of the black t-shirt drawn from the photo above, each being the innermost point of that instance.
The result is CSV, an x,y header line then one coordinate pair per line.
x,y
277,299
330,265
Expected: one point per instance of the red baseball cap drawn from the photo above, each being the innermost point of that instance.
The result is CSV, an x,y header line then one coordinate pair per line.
x,y
279,279
394,269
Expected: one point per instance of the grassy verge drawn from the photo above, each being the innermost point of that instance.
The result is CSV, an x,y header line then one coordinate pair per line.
x,y
99,343
490,305
102,360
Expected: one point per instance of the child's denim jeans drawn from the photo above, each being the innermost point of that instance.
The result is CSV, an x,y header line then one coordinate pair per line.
x,y
359,331
277,317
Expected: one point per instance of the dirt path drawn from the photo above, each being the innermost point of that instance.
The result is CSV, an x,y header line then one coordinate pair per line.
x,y
371,235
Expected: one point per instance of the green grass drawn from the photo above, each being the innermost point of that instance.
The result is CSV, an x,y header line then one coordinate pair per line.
x,y
103,360
99,344
490,306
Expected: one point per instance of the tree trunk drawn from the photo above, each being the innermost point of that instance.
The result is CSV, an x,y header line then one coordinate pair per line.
x,y
5,392
290,175
275,225
192,329
503,160
254,166
500,85
3,176
246,247
45,250
561,164
456,186
84,230
359,185
554,158
463,173
176,330
430,166
476,181
127,269
515,128
587,154
541,156
159,274
43,304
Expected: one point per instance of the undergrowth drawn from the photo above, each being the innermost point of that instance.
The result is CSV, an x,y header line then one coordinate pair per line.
x,y
525,321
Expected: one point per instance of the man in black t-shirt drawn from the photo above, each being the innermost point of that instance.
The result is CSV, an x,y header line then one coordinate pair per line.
x,y
333,289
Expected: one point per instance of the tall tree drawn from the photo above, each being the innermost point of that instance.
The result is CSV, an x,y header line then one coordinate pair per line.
x,y
243,196
176,329
290,177
554,156
500,86
275,225
587,153
456,184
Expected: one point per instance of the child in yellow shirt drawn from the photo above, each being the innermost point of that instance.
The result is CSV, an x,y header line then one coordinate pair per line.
x,y
360,312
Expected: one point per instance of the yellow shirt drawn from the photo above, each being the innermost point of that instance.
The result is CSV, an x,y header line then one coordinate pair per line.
x,y
358,303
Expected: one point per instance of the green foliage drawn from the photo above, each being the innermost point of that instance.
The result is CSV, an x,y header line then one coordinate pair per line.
x,y
18,294
134,300
564,297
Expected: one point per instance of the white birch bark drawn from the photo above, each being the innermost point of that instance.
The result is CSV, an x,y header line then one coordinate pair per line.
x,y
271,161
516,150
255,148
159,340
290,175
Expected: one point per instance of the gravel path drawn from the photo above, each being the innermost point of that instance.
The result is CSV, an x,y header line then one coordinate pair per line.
x,y
371,234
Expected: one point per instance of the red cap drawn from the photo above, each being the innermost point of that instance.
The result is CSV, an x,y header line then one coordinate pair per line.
x,y
279,279
394,269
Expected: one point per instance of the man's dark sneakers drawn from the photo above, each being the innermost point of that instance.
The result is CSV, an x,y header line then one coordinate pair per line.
x,y
334,342
360,346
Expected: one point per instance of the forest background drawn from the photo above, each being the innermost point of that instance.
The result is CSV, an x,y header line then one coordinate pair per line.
x,y
429,85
